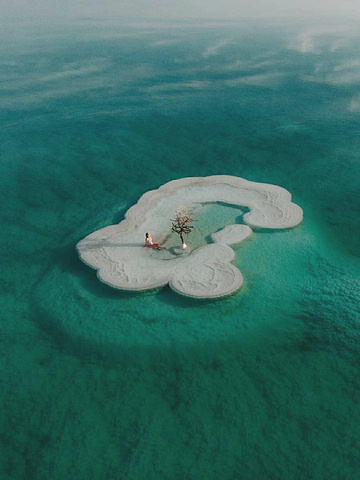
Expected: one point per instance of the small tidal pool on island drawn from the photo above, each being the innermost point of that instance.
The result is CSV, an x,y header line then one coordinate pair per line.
x,y
104,384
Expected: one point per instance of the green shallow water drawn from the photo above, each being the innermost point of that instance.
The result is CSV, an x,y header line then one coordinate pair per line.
x,y
103,384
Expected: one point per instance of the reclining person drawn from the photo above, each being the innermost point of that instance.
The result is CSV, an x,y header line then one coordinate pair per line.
x,y
149,242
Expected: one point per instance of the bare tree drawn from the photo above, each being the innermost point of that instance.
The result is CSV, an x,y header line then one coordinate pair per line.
x,y
181,224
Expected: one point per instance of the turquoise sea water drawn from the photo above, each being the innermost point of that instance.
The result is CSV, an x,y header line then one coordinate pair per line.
x,y
102,384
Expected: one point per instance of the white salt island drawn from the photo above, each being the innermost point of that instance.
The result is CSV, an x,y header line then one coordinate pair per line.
x,y
118,254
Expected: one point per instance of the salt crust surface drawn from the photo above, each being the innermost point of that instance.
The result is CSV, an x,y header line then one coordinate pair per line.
x,y
121,260
232,234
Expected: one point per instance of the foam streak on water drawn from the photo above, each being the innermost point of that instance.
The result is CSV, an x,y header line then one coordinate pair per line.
x,y
103,384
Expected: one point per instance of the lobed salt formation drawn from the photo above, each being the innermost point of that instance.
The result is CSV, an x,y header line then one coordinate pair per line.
x,y
121,260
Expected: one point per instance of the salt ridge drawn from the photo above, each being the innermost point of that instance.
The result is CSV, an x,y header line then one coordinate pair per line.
x,y
118,255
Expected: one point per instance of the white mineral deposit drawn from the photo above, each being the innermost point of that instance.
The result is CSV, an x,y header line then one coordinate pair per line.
x,y
118,253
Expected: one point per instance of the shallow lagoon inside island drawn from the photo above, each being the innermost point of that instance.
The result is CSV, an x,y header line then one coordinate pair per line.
x,y
101,383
